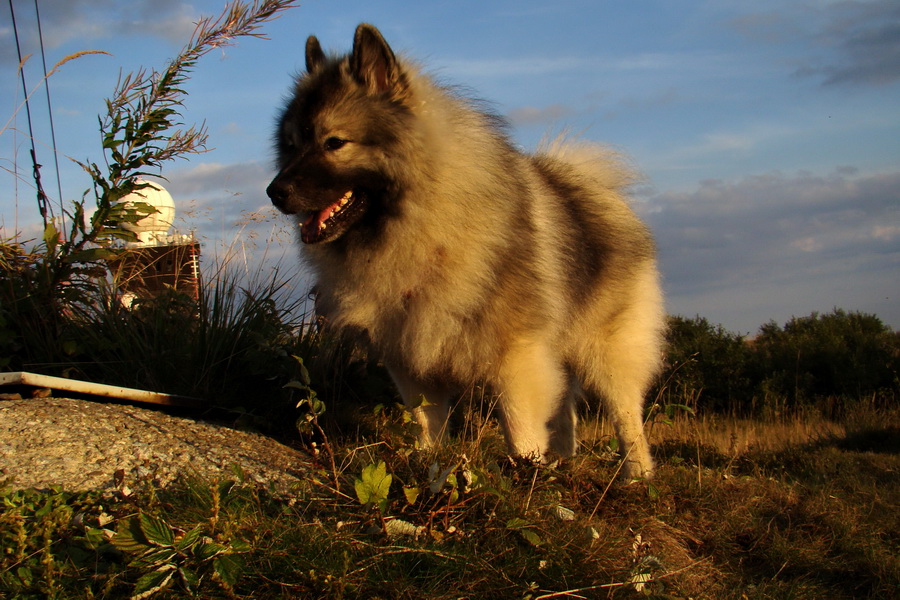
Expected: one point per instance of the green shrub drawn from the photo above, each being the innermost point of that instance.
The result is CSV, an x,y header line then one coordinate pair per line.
x,y
706,366
58,309
845,355
826,362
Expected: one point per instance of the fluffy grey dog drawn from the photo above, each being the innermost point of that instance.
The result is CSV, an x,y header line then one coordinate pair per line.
x,y
465,260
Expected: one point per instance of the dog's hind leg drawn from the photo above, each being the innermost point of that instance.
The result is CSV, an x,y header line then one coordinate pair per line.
x,y
620,378
428,403
617,359
564,427
531,384
625,409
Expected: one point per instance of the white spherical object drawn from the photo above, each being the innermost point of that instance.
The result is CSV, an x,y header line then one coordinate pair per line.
x,y
154,227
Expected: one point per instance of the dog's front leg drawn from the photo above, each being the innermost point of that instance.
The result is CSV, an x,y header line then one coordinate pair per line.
x,y
428,403
532,384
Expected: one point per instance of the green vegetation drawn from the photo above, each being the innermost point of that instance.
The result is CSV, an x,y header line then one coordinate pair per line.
x,y
812,518
778,456
59,310
831,364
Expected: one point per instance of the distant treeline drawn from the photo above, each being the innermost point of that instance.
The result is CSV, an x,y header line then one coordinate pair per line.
x,y
830,362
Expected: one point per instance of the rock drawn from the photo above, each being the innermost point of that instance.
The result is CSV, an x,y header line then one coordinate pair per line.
x,y
80,445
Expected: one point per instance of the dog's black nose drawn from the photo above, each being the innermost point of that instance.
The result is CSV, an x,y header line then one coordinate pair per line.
x,y
279,193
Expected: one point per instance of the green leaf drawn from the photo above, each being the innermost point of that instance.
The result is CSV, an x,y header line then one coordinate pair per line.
x,y
129,537
412,494
523,528
531,537
109,141
227,568
373,485
45,509
670,409
153,582
117,233
92,255
207,550
419,401
317,406
224,488
70,347
190,579
154,558
157,530
304,373
134,209
297,385
25,576
51,237
439,479
94,537
190,538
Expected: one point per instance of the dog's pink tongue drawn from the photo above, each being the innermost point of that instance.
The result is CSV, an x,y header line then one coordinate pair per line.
x,y
315,220
309,230
314,224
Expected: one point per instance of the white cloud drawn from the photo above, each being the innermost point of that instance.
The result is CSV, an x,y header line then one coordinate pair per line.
x,y
750,137
838,43
886,233
219,200
803,234
529,115
87,21
522,66
494,68
807,244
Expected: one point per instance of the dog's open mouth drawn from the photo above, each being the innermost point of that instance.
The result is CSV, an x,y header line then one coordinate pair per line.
x,y
334,220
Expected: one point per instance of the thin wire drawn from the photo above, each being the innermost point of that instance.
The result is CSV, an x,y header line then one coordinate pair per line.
x,y
41,196
62,212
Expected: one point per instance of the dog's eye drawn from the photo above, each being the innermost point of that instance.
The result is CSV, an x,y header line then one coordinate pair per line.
x,y
334,143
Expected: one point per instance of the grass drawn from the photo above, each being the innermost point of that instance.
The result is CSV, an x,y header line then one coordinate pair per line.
x,y
789,510
797,506
737,436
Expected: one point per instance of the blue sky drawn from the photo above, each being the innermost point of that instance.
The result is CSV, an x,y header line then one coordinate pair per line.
x,y
768,132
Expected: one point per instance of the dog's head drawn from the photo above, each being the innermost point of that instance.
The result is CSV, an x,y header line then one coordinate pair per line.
x,y
337,137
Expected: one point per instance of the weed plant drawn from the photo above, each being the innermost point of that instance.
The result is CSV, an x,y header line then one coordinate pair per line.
x,y
58,308
383,519
835,364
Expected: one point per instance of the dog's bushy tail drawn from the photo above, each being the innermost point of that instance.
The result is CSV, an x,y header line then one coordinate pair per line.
x,y
597,167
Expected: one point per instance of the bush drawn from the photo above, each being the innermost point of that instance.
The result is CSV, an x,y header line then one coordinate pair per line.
x,y
848,355
706,366
827,362
60,314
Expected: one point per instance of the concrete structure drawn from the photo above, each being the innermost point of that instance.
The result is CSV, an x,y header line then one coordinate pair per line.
x,y
159,259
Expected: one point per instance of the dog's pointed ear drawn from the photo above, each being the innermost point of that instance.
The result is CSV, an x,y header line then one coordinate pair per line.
x,y
373,63
314,55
